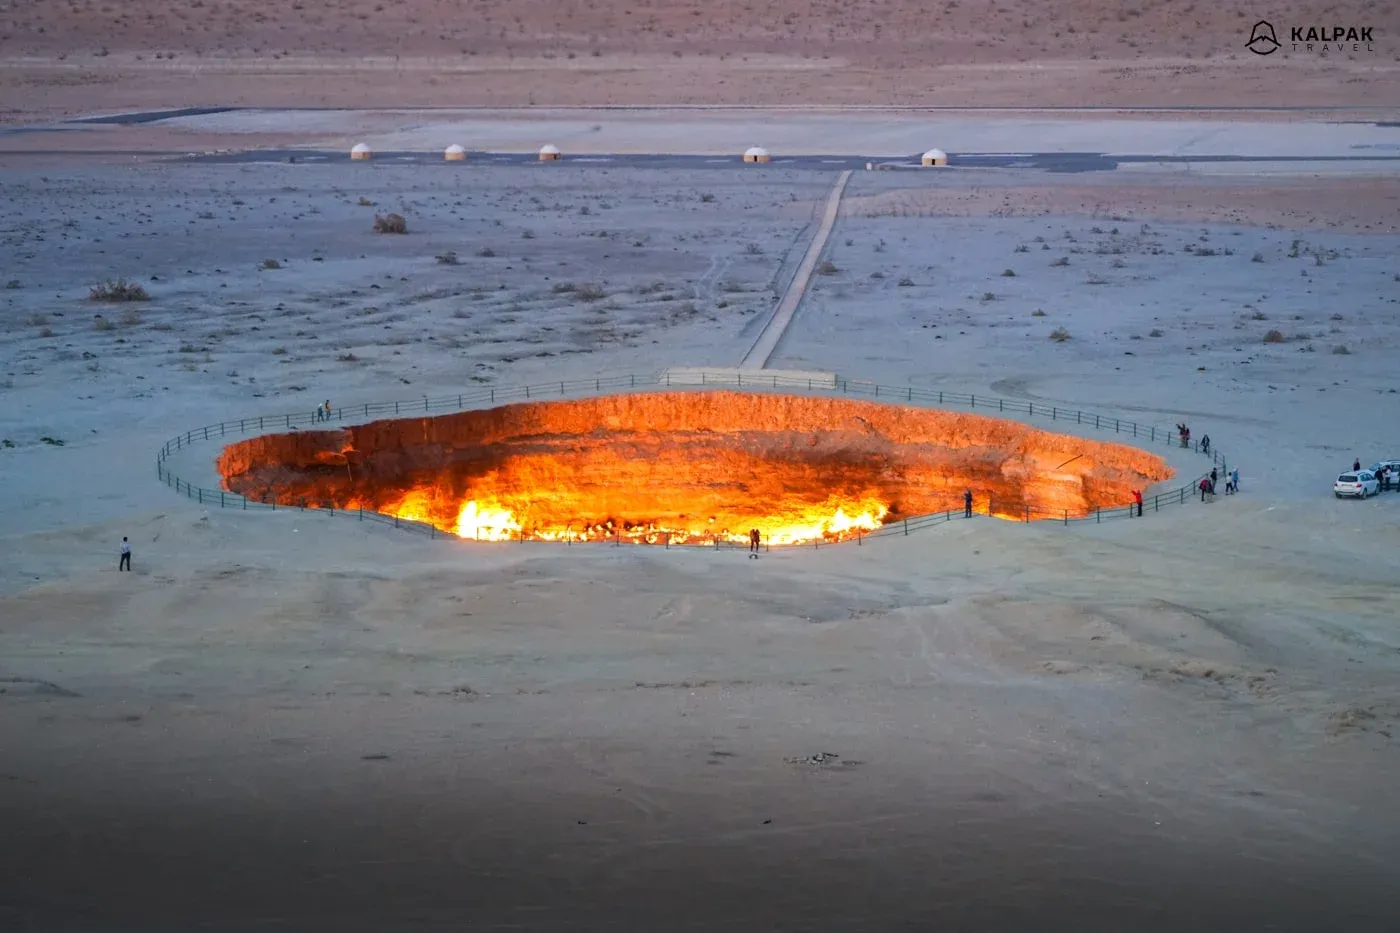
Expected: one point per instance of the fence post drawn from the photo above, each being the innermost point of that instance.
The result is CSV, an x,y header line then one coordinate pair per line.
x,y
362,513
493,395
974,401
459,401
911,390
396,521
1134,429
1028,514
1096,422
906,527
432,531
1001,404
1098,516
1066,518
859,542
1054,413
1154,433
940,397
425,403
201,495
289,421
221,498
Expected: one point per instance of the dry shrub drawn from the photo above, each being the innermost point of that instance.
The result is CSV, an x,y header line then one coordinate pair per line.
x,y
827,267
1341,350
1059,335
390,223
271,264
1274,336
591,292
448,258
118,290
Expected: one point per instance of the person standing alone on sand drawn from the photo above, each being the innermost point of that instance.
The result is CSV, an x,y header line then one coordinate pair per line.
x,y
967,503
1137,501
125,562
755,536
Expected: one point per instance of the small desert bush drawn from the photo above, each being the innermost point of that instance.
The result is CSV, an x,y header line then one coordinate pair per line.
x,y
1008,273
276,351
707,198
989,296
827,267
753,249
591,292
448,258
1257,257
366,202
906,282
486,252
1274,336
1062,261
348,358
562,288
118,290
271,264
1023,248
1341,350
1258,316
1059,335
1154,332
1095,280
390,223
1038,312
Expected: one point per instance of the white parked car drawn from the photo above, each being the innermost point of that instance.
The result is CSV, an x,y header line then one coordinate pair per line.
x,y
1392,470
1358,483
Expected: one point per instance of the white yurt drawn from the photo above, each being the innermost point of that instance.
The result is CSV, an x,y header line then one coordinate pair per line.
x,y
757,155
454,153
935,157
549,153
360,151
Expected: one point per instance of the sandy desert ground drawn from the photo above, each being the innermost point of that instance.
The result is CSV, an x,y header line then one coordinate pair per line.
x,y
70,56
292,721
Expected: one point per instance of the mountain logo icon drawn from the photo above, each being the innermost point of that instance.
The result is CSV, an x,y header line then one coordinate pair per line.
x,y
1262,39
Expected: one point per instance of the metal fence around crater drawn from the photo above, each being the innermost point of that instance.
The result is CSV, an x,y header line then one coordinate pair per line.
x,y
493,395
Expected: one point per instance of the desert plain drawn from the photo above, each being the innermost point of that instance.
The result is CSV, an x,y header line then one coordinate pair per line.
x,y
292,721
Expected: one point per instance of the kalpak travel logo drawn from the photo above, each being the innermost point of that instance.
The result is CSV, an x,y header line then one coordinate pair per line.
x,y
1263,39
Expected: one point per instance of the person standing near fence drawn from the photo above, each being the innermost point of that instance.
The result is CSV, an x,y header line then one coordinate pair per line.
x,y
1137,501
1205,487
1205,443
1214,478
1235,478
125,562
967,503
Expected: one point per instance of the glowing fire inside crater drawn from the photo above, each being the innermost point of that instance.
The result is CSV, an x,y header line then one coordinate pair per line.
x,y
686,467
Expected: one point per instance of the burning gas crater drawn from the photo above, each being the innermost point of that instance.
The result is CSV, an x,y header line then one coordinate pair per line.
x,y
687,467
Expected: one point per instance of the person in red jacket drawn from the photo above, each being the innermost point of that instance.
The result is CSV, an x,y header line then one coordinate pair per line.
x,y
1137,500
1205,487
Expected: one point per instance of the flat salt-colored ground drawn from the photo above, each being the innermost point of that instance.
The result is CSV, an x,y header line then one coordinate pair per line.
x,y
297,721
731,132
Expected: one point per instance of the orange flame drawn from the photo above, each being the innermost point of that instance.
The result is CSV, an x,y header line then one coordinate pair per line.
x,y
834,520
